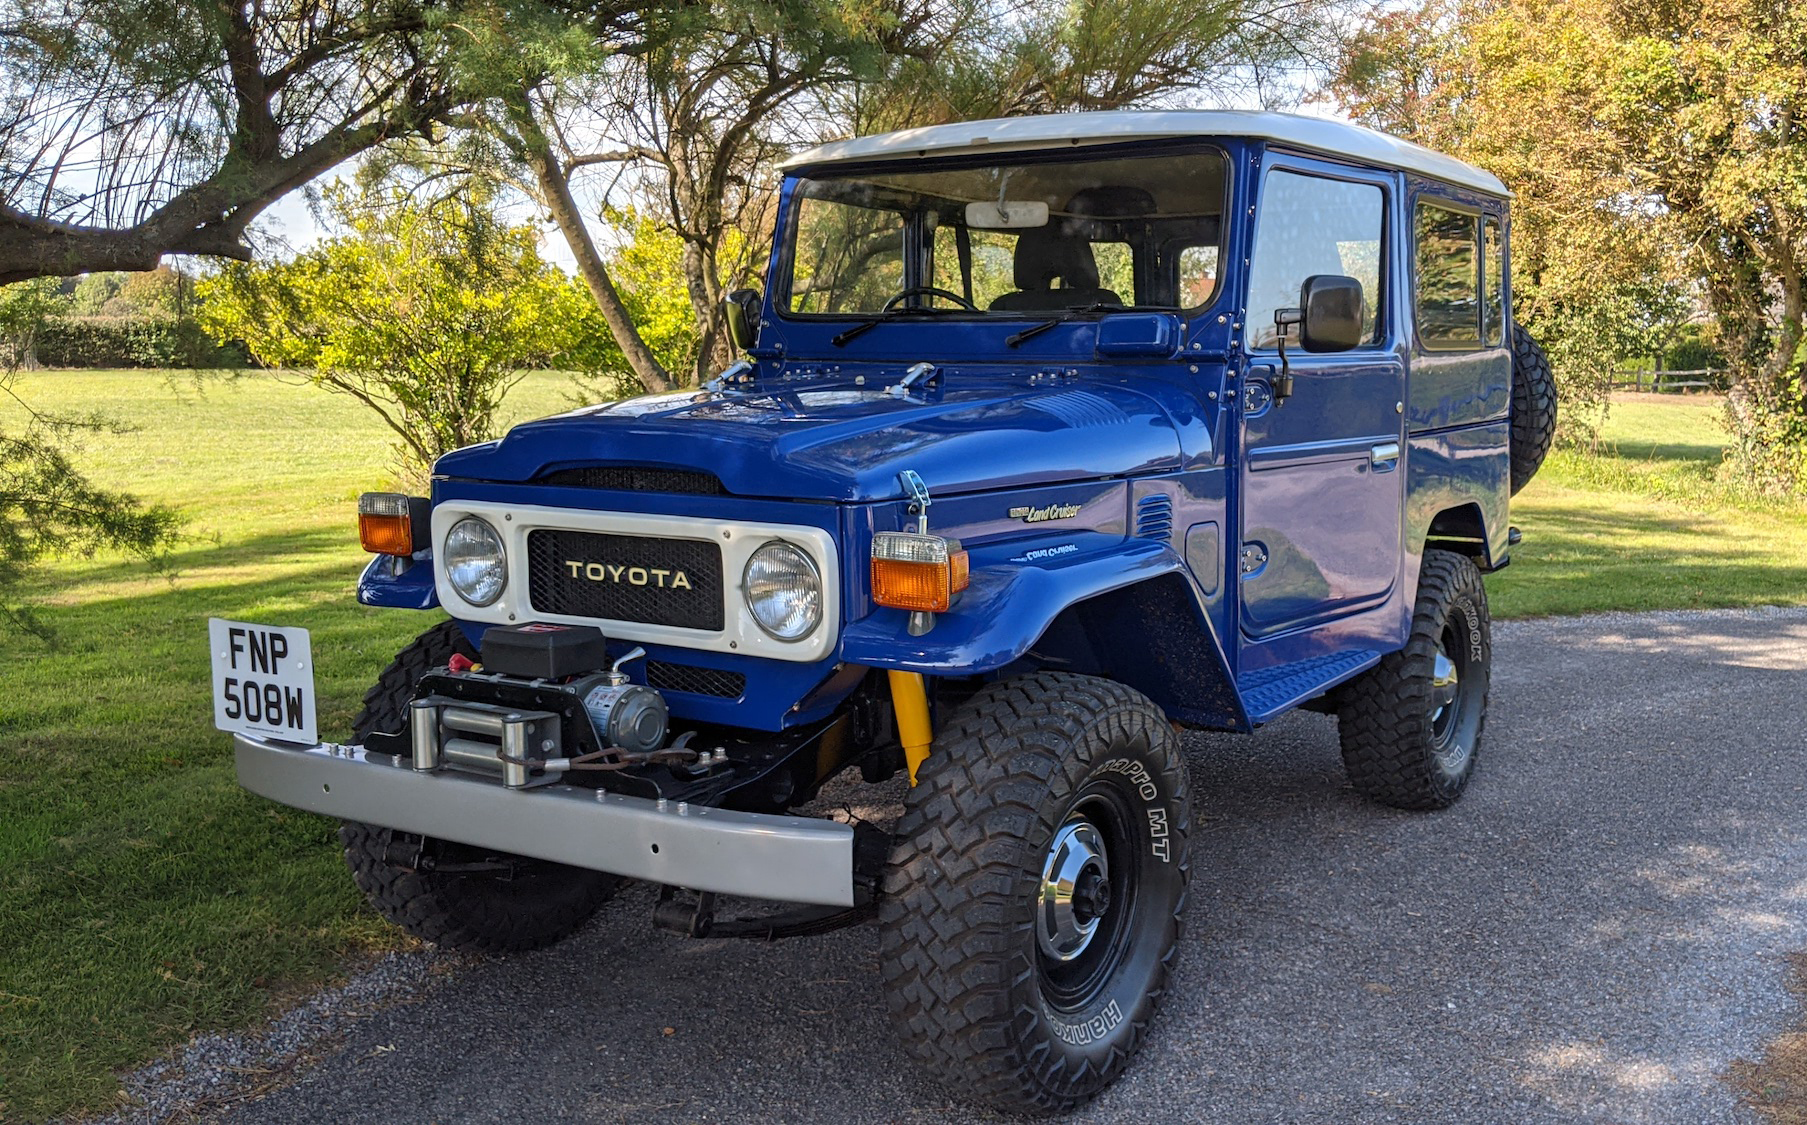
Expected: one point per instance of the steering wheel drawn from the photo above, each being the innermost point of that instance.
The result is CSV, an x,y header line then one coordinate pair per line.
x,y
928,291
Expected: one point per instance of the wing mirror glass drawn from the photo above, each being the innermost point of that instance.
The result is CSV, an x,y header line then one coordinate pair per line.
x,y
1330,308
741,310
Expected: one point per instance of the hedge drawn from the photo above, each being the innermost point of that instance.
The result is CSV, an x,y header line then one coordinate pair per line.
x,y
113,341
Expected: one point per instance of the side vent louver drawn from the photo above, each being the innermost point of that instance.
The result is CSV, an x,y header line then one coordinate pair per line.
x,y
1154,517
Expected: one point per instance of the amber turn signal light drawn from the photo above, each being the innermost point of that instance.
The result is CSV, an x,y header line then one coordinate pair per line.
x,y
386,522
917,572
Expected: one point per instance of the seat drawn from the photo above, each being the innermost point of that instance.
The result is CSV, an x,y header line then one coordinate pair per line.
x,y
1045,255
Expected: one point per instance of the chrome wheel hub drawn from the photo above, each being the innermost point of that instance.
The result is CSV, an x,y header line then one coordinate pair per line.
x,y
1075,891
1445,682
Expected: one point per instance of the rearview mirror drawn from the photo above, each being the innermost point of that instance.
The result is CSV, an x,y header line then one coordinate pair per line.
x,y
1332,309
1007,214
741,310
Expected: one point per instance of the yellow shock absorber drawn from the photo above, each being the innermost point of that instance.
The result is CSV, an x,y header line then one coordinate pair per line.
x,y
911,701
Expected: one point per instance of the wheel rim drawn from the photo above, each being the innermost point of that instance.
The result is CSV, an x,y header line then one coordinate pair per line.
x,y
1075,891
1452,688
1086,899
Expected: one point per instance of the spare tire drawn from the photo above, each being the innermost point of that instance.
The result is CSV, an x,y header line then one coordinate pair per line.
x,y
1533,407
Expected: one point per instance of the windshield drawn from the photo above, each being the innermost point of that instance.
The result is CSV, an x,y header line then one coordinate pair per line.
x,y
1009,240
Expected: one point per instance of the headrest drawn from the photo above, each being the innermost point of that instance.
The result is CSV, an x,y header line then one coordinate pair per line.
x,y
1046,253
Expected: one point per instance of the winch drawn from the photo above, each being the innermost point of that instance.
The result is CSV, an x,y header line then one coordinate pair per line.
x,y
527,744
626,715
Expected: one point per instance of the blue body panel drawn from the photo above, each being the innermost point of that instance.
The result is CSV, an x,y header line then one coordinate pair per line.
x,y
392,583
1229,554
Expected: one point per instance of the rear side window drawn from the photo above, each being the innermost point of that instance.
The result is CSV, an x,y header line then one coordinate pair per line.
x,y
1448,293
1311,225
1493,283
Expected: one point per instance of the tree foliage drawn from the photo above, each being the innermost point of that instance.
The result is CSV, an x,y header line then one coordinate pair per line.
x,y
166,126
425,313
1657,156
48,507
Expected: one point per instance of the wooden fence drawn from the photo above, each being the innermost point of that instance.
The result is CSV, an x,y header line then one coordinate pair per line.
x,y
1704,379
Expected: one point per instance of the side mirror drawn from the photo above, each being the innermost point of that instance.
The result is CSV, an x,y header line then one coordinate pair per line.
x,y
741,309
1332,313
1329,319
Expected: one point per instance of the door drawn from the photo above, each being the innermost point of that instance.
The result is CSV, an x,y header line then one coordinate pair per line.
x,y
1322,502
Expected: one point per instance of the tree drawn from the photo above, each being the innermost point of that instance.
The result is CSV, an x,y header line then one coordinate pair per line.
x,y
1651,147
24,309
130,131
425,313
689,126
1057,56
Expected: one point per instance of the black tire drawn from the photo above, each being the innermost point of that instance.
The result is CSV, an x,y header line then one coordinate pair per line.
x,y
525,904
994,1008
1533,407
1408,741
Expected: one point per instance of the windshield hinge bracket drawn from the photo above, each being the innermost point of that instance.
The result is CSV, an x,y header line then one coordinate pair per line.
x,y
918,374
740,373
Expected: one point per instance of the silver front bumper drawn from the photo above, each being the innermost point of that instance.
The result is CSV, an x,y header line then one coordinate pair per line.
x,y
789,858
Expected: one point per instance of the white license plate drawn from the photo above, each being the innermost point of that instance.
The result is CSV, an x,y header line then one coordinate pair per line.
x,y
263,680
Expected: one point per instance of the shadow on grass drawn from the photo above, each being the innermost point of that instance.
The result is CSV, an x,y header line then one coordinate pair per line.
x,y
1639,453
196,554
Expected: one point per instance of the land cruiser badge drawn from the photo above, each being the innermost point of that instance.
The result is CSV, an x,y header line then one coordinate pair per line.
x,y
1043,515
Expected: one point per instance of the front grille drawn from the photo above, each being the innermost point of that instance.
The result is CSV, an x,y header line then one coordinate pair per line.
x,y
696,681
637,478
675,582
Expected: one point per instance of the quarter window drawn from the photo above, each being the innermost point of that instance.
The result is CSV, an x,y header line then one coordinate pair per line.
x,y
1494,284
1311,225
1448,297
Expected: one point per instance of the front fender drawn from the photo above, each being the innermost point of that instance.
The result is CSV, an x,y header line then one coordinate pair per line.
x,y
394,583
1012,599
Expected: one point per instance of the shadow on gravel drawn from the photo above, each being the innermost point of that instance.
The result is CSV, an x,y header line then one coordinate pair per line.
x,y
1776,1084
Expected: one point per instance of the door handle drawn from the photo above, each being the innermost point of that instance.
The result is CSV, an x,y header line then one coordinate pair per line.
x,y
1384,456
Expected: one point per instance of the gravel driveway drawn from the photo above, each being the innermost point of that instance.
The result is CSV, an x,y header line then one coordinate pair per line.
x,y
1593,934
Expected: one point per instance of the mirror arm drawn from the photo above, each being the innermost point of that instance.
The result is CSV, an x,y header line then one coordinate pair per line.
x,y
1284,319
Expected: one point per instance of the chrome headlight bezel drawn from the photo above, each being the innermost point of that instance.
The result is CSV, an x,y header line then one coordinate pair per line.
x,y
793,584
490,580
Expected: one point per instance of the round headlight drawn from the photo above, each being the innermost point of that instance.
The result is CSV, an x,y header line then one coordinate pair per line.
x,y
474,562
784,591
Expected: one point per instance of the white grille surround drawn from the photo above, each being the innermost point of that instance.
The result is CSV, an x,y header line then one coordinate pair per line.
x,y
738,539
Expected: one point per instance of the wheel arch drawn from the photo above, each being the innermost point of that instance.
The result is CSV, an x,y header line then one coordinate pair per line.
x,y
1461,529
1017,617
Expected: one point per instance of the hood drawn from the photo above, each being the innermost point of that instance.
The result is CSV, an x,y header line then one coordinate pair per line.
x,y
848,443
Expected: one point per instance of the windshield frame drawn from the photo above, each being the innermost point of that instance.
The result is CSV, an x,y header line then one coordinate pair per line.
x,y
782,269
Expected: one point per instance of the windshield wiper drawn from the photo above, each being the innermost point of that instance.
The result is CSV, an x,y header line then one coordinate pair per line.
x,y
840,339
1075,311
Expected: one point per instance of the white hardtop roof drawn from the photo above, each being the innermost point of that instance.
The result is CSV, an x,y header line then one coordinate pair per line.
x,y
1018,134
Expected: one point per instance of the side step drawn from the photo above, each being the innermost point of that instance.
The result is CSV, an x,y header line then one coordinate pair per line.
x,y
1268,692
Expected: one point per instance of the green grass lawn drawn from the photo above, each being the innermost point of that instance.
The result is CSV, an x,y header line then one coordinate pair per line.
x,y
1648,523
144,897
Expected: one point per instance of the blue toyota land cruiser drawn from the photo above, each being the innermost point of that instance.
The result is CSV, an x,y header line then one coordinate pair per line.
x,y
1055,437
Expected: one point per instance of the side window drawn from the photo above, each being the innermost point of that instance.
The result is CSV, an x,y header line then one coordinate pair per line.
x,y
1198,276
1448,295
1310,225
1493,284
